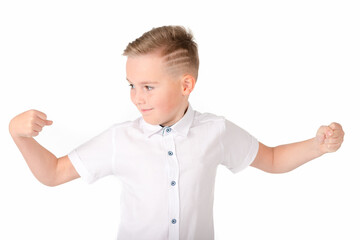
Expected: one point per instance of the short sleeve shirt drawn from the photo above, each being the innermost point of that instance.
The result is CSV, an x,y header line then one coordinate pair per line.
x,y
167,173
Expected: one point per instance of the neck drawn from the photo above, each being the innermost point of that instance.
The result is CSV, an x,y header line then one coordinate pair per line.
x,y
182,116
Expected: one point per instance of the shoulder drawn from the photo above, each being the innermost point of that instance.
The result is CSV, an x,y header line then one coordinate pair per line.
x,y
208,119
213,120
127,124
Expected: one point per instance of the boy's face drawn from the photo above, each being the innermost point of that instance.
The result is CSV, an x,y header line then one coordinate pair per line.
x,y
160,97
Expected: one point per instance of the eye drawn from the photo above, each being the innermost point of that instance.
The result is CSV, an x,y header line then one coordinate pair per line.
x,y
131,86
149,88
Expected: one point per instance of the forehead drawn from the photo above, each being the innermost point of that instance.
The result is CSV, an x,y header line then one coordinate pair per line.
x,y
144,62
147,67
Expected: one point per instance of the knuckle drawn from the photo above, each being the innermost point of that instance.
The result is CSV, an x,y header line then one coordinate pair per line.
x,y
41,123
322,129
32,116
335,126
32,123
32,112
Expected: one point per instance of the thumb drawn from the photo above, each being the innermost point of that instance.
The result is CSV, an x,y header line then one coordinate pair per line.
x,y
323,133
48,122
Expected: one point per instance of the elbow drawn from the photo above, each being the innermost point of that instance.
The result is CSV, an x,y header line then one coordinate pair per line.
x,y
278,171
274,170
278,168
48,182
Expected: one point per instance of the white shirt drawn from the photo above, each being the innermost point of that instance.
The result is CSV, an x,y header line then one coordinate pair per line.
x,y
168,174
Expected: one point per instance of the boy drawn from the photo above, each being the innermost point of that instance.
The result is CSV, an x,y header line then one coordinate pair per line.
x,y
168,190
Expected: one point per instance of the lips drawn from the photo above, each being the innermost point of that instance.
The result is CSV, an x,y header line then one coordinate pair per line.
x,y
146,110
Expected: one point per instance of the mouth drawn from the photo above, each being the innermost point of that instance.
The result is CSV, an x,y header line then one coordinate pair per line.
x,y
145,110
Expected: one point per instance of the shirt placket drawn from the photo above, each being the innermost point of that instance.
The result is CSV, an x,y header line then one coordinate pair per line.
x,y
173,177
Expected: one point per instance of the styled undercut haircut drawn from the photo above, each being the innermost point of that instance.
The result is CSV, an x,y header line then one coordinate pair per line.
x,y
176,46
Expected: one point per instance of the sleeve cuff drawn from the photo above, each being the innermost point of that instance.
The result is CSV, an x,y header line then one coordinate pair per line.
x,y
80,168
254,148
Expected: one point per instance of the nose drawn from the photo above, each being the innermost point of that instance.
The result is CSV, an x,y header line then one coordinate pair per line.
x,y
138,97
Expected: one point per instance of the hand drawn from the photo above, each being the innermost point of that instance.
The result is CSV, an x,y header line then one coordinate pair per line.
x,y
28,124
330,138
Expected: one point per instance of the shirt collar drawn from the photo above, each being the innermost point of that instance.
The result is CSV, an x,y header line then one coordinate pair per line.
x,y
181,127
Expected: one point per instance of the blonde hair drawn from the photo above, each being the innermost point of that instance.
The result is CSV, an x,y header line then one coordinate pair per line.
x,y
176,46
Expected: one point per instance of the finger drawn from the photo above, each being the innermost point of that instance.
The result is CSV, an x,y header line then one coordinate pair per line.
x,y
39,121
333,140
41,115
48,122
36,128
338,134
34,134
320,137
324,132
42,122
332,147
335,126
329,133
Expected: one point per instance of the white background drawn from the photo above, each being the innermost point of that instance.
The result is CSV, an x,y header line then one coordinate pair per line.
x,y
279,69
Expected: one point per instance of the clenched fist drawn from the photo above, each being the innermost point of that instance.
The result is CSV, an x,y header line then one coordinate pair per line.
x,y
28,124
330,138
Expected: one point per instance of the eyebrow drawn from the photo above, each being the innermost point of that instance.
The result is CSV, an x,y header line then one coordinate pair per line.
x,y
143,83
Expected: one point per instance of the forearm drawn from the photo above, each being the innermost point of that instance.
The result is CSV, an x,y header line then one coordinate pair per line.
x,y
285,158
41,162
290,156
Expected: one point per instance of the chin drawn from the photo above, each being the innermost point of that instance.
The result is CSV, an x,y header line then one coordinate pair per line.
x,y
152,121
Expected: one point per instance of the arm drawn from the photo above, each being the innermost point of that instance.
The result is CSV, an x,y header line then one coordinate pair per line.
x,y
45,166
287,157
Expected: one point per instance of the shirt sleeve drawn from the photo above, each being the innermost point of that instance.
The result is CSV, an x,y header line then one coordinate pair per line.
x,y
239,147
93,159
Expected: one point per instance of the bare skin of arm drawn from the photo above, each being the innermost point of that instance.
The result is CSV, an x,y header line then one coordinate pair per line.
x,y
45,166
285,158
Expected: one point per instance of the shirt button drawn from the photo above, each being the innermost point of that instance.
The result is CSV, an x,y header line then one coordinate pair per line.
x,y
168,130
170,153
173,221
173,183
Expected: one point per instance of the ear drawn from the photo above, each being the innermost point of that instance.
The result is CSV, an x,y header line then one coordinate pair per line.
x,y
187,84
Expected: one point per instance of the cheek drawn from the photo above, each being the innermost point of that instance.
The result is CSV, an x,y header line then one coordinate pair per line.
x,y
161,101
132,95
171,100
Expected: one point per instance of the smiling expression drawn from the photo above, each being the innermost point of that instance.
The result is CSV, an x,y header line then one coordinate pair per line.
x,y
161,98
